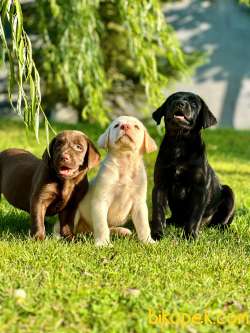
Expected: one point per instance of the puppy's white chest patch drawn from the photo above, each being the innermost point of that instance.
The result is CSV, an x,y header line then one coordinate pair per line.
x,y
178,171
178,152
121,206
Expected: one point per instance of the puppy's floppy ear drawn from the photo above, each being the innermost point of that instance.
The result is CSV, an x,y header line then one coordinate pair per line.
x,y
103,140
149,144
48,153
159,113
206,118
92,155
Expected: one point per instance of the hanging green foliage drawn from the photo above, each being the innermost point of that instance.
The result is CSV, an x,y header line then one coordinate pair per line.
x,y
85,49
91,47
72,59
22,69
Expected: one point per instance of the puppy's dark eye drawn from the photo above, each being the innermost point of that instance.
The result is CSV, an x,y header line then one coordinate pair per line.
x,y
78,147
116,125
59,143
137,127
193,104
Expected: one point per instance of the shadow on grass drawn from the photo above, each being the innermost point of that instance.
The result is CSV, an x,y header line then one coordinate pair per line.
x,y
237,233
13,221
17,223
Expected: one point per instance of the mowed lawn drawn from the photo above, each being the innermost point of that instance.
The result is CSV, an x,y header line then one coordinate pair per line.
x,y
172,286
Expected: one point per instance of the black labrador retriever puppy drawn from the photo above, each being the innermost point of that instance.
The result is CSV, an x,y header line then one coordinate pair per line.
x,y
183,179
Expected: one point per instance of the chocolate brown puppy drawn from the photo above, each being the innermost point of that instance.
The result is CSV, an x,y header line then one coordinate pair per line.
x,y
183,178
51,185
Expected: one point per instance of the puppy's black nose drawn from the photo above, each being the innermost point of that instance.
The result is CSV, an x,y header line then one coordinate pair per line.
x,y
180,104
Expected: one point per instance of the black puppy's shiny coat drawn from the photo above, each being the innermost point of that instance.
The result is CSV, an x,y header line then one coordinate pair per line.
x,y
183,179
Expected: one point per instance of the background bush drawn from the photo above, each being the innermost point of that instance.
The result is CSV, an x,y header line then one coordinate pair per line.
x,y
88,51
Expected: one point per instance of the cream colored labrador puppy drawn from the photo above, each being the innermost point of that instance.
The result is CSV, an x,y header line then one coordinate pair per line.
x,y
120,187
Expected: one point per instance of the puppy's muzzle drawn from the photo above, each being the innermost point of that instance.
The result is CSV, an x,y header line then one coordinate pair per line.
x,y
125,132
66,166
65,157
182,112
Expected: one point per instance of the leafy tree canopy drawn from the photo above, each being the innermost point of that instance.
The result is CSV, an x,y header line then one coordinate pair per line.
x,y
85,50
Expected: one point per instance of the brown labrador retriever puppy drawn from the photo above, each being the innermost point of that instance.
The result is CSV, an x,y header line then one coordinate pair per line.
x,y
52,185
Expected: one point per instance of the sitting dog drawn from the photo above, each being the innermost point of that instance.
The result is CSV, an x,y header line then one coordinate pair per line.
x,y
52,185
183,179
120,186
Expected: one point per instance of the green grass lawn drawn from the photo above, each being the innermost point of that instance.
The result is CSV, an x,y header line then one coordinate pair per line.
x,y
200,286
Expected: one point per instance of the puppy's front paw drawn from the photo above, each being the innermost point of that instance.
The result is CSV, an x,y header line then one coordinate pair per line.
x,y
157,235
38,234
66,233
102,243
190,234
149,240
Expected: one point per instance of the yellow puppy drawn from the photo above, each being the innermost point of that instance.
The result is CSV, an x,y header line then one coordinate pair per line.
x,y
120,187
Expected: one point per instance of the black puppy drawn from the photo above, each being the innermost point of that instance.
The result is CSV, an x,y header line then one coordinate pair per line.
x,y
183,178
